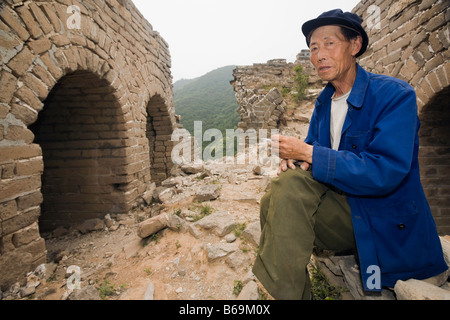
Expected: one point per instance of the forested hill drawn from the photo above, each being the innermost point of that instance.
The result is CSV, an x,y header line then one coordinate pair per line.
x,y
210,99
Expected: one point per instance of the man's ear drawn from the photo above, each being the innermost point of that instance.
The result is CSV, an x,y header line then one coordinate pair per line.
x,y
356,45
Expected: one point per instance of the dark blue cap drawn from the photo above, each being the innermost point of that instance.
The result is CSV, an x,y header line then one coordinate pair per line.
x,y
340,18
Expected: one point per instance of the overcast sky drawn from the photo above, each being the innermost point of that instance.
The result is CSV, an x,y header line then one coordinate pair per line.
x,y
204,35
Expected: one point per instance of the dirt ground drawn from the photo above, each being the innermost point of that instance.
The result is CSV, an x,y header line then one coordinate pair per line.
x,y
121,265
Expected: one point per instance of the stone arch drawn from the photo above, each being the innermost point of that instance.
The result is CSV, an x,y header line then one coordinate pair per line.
x,y
435,157
44,58
410,40
82,133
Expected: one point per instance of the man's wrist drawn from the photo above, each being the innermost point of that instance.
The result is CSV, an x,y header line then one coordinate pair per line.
x,y
309,153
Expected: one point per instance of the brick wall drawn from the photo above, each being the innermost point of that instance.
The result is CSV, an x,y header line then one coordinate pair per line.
x,y
411,41
86,113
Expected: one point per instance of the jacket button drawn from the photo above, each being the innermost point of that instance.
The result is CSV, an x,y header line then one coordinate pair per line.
x,y
354,147
401,226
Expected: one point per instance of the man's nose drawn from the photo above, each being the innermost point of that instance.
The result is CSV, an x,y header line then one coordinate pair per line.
x,y
321,55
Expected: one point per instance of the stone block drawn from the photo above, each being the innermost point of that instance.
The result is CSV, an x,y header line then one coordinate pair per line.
x,y
253,233
27,95
29,200
91,225
30,23
19,133
8,210
434,82
22,220
436,22
8,153
442,77
249,292
220,223
8,85
10,189
51,66
52,16
434,62
419,290
207,193
152,225
26,235
220,250
35,85
21,62
12,20
41,18
44,75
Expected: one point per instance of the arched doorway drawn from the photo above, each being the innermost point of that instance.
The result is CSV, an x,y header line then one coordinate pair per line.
x,y
435,157
159,130
81,132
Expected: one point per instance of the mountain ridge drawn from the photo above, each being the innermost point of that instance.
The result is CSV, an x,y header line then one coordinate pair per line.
x,y
209,98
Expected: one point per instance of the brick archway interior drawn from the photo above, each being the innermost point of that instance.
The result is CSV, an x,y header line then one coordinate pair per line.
x,y
79,131
159,130
435,157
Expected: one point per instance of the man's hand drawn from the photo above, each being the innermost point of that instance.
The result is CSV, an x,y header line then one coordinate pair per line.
x,y
290,164
291,149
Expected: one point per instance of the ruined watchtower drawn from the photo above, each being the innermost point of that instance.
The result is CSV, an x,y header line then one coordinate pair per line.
x,y
86,116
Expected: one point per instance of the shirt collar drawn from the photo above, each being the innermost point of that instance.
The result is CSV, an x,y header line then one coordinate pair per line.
x,y
358,93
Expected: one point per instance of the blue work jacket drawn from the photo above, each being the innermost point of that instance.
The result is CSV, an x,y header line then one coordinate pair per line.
x,y
378,169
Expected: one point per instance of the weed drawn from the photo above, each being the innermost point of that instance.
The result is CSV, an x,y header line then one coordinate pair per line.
x,y
53,277
261,294
106,289
321,288
148,271
155,237
240,227
205,210
238,286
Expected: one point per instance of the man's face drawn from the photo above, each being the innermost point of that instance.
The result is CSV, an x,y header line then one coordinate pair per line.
x,y
331,54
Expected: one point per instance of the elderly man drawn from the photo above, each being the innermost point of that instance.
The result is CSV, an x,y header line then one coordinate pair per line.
x,y
354,183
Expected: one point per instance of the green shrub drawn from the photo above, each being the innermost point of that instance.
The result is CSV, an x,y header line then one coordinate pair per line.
x,y
301,83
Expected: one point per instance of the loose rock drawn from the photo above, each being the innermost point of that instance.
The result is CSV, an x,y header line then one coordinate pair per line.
x,y
253,233
207,193
91,225
150,292
220,250
220,222
152,225
419,290
249,292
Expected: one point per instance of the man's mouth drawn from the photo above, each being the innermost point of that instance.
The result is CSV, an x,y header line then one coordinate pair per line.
x,y
324,69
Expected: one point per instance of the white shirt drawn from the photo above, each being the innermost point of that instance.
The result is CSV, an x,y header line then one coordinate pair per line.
x,y
339,109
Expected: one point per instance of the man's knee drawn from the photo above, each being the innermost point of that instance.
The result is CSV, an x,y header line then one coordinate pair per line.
x,y
291,177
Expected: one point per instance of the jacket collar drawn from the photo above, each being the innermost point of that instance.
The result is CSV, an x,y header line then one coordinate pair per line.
x,y
358,93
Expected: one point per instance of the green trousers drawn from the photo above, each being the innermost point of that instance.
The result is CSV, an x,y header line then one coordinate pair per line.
x,y
297,214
